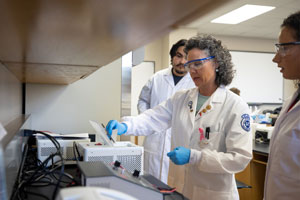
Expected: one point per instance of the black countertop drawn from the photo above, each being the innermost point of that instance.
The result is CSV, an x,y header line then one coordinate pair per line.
x,y
261,148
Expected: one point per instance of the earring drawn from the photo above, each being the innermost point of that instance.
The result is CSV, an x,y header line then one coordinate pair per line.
x,y
217,70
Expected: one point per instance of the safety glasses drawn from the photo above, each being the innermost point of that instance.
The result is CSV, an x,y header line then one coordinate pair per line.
x,y
197,64
283,48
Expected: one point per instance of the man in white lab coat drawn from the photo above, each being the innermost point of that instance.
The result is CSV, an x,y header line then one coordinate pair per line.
x,y
159,88
283,170
211,137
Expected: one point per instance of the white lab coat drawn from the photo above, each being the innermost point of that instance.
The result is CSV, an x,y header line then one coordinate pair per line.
x,y
283,170
158,89
210,172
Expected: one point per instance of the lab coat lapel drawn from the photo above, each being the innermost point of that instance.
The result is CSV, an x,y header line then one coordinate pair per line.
x,y
184,79
284,112
193,99
292,101
169,77
217,98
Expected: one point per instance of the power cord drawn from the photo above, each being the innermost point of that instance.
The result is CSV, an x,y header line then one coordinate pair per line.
x,y
34,173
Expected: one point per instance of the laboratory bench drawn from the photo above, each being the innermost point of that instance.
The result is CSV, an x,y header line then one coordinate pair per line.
x,y
46,192
44,187
254,174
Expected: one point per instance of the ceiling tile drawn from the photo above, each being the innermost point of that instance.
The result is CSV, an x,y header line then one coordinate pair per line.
x,y
265,26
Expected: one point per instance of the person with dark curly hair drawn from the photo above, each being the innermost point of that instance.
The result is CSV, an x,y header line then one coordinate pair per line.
x,y
283,169
211,138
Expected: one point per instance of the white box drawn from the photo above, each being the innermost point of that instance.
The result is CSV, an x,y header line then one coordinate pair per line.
x,y
128,154
45,148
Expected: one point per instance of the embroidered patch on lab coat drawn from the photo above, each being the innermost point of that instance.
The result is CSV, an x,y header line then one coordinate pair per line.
x,y
245,123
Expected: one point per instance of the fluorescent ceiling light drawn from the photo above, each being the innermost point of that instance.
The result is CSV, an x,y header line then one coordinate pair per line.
x,y
242,14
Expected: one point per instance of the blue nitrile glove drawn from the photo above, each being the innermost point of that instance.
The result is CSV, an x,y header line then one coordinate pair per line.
x,y
180,155
114,124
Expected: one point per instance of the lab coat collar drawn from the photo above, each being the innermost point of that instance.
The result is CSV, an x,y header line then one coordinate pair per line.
x,y
219,95
169,72
283,113
292,101
169,77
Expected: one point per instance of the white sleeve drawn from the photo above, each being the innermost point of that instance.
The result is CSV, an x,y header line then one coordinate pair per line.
x,y
152,120
238,144
145,97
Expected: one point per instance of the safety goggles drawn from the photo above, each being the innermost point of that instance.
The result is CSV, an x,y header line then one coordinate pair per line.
x,y
197,64
283,48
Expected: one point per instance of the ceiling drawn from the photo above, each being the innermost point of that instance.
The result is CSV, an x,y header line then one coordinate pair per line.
x,y
265,26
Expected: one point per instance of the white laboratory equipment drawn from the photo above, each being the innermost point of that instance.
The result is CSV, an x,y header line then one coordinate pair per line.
x,y
92,193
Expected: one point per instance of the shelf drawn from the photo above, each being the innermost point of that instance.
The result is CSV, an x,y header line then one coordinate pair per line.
x,y
61,41
49,73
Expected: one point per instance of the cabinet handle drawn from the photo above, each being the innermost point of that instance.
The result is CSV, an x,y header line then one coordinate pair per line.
x,y
260,162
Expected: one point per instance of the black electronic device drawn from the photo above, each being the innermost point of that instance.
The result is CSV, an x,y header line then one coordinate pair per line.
x,y
262,137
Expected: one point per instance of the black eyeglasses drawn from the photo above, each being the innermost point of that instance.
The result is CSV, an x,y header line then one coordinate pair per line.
x,y
281,48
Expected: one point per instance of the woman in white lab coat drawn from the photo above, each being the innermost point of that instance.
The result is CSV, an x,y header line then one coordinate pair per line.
x,y
283,169
211,138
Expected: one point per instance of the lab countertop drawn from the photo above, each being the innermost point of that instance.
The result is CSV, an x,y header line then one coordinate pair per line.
x,y
261,148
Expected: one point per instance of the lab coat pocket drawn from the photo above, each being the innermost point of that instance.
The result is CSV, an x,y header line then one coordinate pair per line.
x,y
211,142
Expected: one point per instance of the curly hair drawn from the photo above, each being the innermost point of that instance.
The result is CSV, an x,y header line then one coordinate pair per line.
x,y
214,47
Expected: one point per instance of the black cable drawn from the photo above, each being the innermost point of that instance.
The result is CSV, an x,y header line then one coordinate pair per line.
x,y
70,177
57,146
75,152
18,178
76,147
62,163
41,168
36,173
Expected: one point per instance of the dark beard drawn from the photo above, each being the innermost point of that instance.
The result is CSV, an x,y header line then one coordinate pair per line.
x,y
179,72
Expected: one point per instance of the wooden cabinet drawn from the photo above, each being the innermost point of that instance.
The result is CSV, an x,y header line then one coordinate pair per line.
x,y
61,41
244,176
254,174
258,171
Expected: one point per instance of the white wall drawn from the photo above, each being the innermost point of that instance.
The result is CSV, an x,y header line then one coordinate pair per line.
x,y
257,77
67,108
256,45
